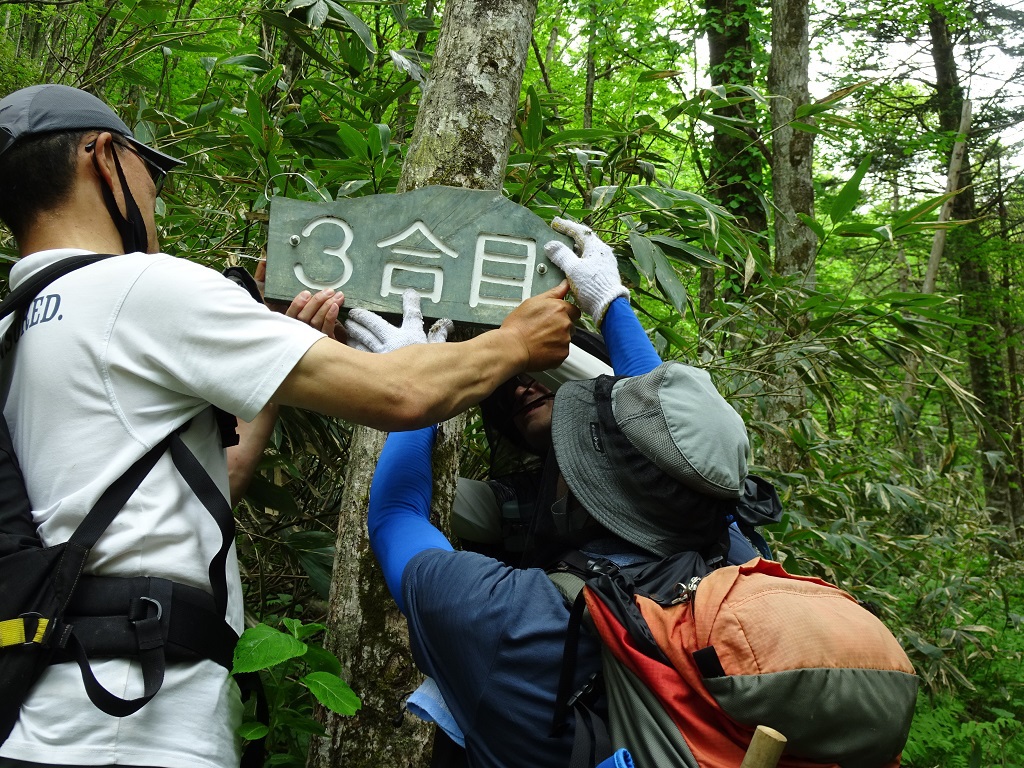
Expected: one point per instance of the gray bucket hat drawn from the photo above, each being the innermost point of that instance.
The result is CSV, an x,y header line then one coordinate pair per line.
x,y
48,108
656,459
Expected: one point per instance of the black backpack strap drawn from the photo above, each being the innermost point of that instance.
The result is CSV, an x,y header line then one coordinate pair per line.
x,y
151,654
22,296
209,494
591,742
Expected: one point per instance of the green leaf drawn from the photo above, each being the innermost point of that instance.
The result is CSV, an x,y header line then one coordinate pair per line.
x,y
850,193
651,196
354,141
643,252
805,127
264,494
333,692
669,282
321,660
263,647
295,31
356,24
813,224
662,75
672,337
317,14
578,136
249,61
601,197
252,730
379,137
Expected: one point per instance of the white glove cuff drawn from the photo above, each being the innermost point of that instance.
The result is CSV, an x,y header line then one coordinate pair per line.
x,y
605,301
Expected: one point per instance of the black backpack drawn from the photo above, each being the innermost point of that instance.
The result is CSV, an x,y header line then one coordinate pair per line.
x,y
51,612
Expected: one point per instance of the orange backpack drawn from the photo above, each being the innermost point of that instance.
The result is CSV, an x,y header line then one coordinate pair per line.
x,y
692,666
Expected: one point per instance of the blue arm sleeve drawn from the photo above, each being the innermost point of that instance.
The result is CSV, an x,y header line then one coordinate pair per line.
x,y
632,353
399,516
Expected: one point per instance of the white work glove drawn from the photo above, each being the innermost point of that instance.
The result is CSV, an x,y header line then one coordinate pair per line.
x,y
369,332
594,276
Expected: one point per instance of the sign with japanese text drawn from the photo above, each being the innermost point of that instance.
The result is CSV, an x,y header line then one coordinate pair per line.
x,y
472,255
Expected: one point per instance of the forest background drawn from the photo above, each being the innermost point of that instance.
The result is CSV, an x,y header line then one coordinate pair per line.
x,y
779,208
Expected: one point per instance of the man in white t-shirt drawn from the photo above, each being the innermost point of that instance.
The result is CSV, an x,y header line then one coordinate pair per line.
x,y
122,352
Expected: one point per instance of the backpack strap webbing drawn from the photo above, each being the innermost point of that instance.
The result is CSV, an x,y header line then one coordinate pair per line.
x,y
22,296
148,618
591,742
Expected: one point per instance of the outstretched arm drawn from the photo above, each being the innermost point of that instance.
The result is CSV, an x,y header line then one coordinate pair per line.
x,y
399,516
317,310
423,384
595,281
629,347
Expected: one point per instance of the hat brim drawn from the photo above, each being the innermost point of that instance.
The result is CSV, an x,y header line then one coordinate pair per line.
x,y
165,163
595,476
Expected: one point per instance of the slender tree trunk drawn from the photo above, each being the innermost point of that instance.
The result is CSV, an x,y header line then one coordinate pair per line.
x,y
736,165
792,194
461,138
979,303
588,96
792,149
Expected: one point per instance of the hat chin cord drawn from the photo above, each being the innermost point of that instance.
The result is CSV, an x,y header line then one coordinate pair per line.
x,y
134,236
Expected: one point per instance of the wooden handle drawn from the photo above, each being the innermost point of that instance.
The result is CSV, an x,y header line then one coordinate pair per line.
x,y
765,748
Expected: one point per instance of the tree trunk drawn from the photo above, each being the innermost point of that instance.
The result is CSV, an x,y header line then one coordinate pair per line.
x,y
736,165
979,303
792,150
461,138
792,194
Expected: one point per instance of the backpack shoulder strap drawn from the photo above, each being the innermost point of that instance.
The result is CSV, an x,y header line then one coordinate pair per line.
x,y
22,296
591,742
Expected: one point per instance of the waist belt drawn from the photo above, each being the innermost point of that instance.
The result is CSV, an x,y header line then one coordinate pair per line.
x,y
147,617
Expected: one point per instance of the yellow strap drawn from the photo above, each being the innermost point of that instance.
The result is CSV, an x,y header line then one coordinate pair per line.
x,y
12,632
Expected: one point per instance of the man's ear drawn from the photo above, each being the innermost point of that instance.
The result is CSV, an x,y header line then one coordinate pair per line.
x,y
102,158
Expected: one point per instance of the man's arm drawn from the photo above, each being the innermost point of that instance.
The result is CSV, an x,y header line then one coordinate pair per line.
x,y
594,277
423,384
244,458
398,519
319,311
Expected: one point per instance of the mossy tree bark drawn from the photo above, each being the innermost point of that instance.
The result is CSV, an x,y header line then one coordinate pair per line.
x,y
461,138
980,301
792,194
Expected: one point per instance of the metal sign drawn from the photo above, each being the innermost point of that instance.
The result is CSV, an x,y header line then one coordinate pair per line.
x,y
472,255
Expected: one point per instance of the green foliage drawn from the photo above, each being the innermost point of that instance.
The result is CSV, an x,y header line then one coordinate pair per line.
x,y
290,666
15,72
315,99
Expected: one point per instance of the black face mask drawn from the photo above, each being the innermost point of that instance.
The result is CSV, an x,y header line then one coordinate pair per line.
x,y
134,236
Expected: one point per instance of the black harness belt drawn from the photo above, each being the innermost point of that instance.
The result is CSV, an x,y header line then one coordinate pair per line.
x,y
128,617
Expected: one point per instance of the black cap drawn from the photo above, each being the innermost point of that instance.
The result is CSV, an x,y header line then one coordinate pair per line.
x,y
47,108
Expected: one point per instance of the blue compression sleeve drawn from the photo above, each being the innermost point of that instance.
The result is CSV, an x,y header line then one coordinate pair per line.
x,y
632,353
399,514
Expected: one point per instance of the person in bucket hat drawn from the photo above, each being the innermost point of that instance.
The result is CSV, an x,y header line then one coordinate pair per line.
x,y
125,351
646,465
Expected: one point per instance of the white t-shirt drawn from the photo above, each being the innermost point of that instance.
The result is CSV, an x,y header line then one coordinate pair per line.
x,y
113,357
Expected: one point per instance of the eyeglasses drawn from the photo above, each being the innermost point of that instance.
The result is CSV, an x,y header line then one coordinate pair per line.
x,y
156,173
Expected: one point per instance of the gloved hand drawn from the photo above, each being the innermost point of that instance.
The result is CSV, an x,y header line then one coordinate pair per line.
x,y
370,332
594,276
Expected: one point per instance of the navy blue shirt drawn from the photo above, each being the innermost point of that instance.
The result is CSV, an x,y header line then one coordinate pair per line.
x,y
492,638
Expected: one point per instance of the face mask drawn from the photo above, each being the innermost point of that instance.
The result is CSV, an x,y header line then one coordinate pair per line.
x,y
134,236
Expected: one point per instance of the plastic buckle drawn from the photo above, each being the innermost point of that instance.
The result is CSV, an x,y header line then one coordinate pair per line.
x,y
586,689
